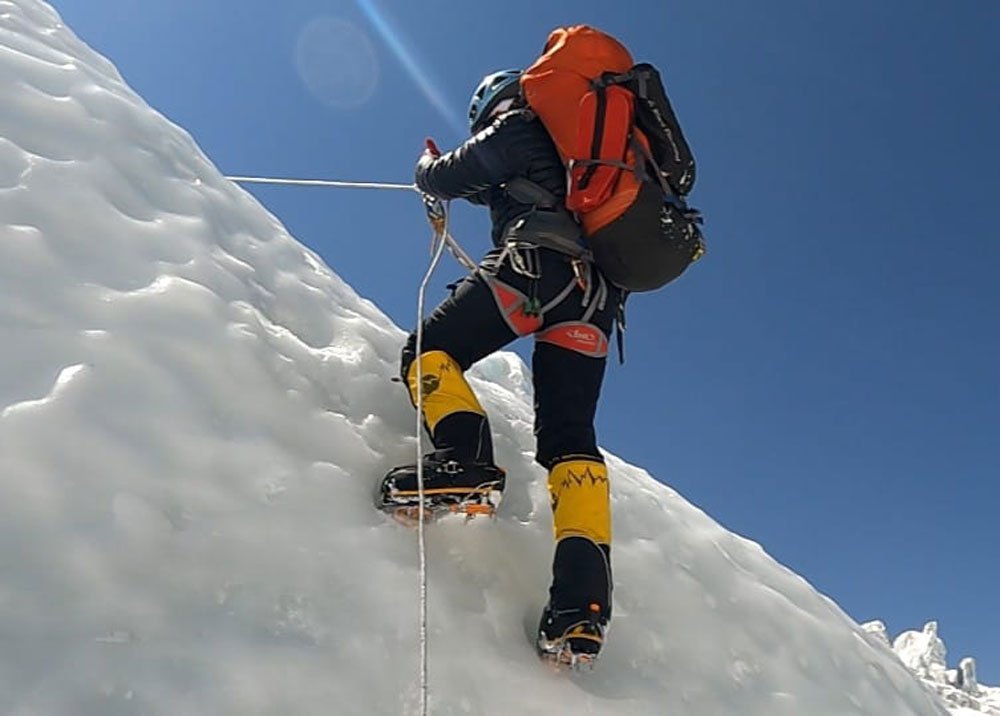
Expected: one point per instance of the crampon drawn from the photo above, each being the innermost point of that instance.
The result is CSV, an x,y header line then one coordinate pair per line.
x,y
478,504
577,646
472,490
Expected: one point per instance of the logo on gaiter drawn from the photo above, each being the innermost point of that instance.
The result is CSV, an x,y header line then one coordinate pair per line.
x,y
574,479
430,383
587,478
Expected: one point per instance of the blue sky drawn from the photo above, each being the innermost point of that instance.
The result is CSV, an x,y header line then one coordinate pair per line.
x,y
826,381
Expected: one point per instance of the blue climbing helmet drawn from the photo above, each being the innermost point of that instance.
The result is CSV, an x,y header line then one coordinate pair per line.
x,y
493,90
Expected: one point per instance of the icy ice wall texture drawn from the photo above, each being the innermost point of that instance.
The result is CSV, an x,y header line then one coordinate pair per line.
x,y
192,411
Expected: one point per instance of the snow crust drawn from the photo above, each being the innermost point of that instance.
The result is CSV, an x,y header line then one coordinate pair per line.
x,y
194,410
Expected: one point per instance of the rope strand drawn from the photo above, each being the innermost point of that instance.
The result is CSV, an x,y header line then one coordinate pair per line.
x,y
441,238
324,182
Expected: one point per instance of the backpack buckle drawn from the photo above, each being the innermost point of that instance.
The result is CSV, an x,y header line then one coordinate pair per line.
x,y
581,280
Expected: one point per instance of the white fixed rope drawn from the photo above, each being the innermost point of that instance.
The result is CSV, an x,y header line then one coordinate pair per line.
x,y
324,182
442,240
452,244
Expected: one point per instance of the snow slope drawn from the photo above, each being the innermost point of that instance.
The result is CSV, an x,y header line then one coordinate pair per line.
x,y
193,410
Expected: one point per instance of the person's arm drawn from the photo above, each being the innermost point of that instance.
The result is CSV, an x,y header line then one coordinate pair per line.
x,y
466,172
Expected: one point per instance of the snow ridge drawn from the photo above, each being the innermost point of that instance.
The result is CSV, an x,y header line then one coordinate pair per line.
x,y
924,652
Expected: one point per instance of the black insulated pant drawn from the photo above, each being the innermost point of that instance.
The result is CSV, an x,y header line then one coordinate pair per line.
x,y
493,307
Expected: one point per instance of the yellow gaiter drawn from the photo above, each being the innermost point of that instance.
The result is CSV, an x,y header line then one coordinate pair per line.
x,y
445,388
578,490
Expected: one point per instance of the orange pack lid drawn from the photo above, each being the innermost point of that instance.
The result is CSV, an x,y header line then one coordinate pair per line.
x,y
554,85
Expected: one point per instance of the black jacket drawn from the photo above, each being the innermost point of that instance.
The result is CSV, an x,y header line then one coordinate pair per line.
x,y
514,145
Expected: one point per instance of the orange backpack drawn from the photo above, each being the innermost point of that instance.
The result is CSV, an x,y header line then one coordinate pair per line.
x,y
558,89
615,131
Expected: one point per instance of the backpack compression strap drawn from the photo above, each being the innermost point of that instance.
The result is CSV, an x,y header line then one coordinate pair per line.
x,y
606,116
655,118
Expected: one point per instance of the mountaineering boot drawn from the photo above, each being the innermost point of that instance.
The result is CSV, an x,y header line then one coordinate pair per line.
x,y
576,618
574,622
571,637
450,485
459,476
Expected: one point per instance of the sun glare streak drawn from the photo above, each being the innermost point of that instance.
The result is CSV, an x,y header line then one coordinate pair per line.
x,y
406,57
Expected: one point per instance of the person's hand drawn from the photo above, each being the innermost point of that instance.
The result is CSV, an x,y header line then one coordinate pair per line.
x,y
436,211
430,153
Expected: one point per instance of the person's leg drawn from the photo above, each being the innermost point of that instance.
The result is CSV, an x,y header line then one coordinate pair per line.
x,y
568,369
567,386
460,473
465,328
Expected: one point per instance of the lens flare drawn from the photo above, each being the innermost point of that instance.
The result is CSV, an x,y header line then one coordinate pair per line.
x,y
337,62
394,40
